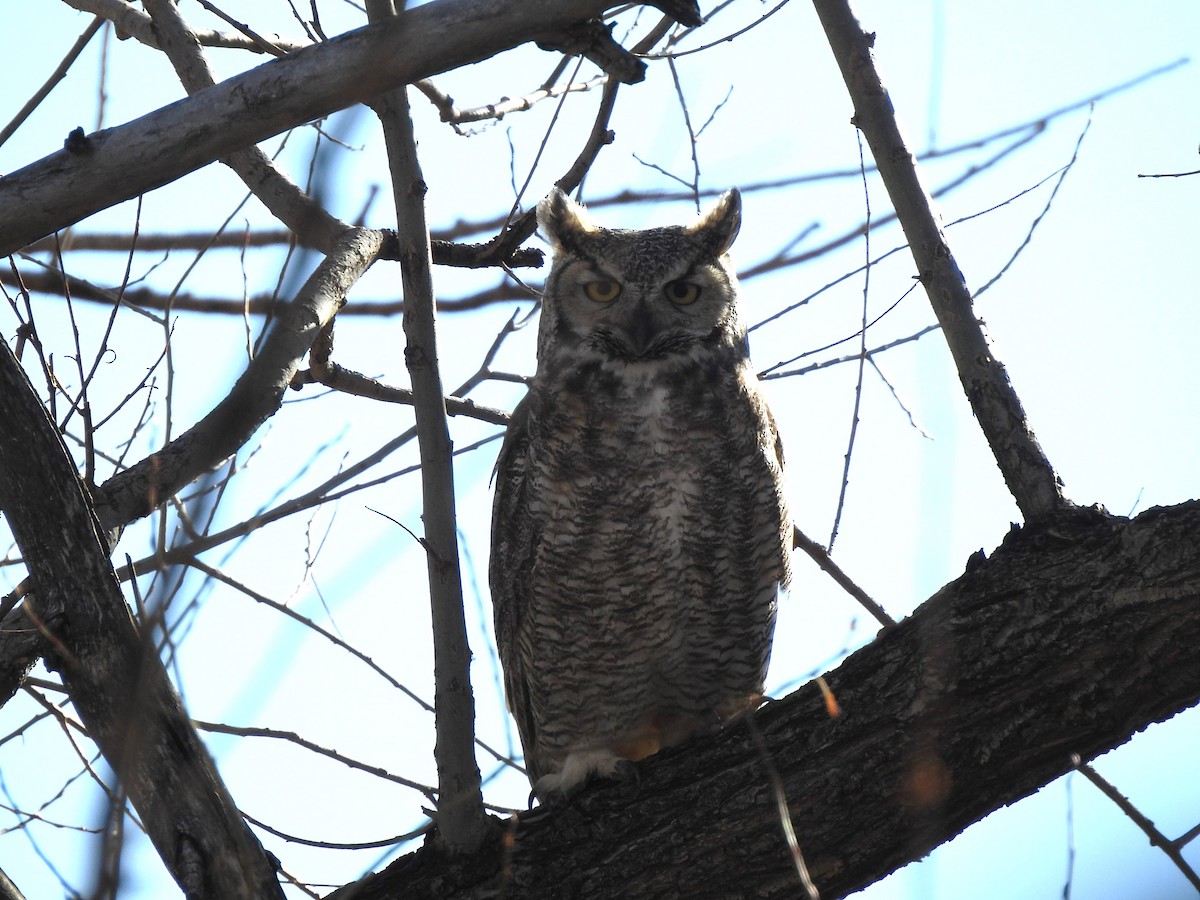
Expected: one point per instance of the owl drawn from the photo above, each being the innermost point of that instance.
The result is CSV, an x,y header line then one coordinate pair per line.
x,y
640,537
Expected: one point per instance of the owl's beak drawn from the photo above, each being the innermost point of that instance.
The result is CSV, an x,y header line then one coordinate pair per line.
x,y
642,330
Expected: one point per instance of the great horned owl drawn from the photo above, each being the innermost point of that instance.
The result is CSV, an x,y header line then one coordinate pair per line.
x,y
639,534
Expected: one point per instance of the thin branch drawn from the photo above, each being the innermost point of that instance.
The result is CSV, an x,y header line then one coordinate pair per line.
x,y
453,115
1157,838
260,42
56,76
462,823
862,352
294,738
337,845
822,558
694,184
904,407
674,54
347,381
1026,470
1062,175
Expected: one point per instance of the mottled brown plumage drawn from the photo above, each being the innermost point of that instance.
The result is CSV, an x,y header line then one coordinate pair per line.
x,y
639,535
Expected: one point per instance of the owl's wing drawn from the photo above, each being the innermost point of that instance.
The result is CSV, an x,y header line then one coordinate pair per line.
x,y
515,535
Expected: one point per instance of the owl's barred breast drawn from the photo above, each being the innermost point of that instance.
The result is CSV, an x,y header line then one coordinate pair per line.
x,y
656,491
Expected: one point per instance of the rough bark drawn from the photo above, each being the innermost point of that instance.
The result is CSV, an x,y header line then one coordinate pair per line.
x,y
1072,637
116,681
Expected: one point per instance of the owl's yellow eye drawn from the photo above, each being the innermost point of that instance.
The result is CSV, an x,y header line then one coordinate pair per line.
x,y
681,292
602,291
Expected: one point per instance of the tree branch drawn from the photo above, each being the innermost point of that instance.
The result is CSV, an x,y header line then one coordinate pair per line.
x,y
314,226
974,702
461,822
1026,470
115,679
99,170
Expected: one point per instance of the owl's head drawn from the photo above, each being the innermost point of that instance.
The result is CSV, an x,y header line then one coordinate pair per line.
x,y
637,296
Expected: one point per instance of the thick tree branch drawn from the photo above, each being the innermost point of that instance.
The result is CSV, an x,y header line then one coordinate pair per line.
x,y
1026,470
977,700
461,821
115,679
116,164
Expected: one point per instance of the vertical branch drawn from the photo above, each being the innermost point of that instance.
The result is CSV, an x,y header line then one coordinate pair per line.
x,y
1026,470
460,818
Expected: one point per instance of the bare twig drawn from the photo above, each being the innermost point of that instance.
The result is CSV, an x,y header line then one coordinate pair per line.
x,y
334,376
862,352
55,77
1157,838
822,558
498,110
260,42
329,753
1062,175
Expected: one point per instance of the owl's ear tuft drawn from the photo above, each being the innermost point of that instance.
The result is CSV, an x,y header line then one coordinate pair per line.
x,y
562,220
718,227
